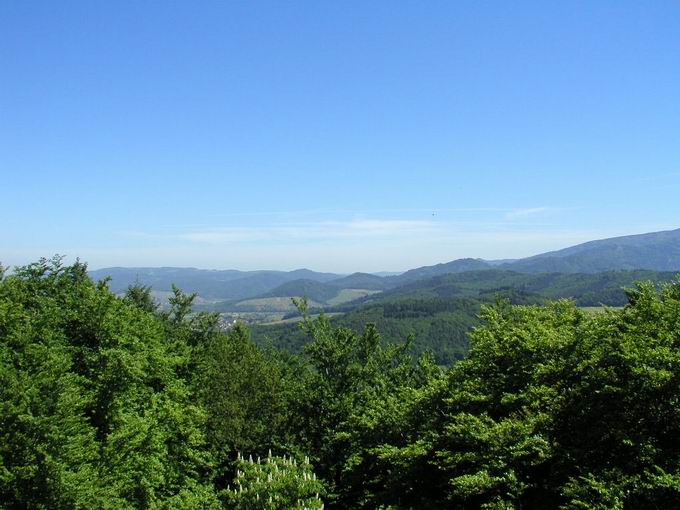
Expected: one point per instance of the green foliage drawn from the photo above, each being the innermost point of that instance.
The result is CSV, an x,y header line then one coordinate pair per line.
x,y
439,326
106,402
243,391
94,411
553,408
352,386
140,296
180,304
274,483
440,312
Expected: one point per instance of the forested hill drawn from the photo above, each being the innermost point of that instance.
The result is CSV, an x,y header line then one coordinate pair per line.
x,y
361,281
586,289
207,283
440,312
313,290
659,251
108,402
656,251
455,266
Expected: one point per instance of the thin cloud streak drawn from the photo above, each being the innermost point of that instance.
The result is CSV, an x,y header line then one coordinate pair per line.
x,y
334,246
523,213
360,212
495,216
313,231
353,229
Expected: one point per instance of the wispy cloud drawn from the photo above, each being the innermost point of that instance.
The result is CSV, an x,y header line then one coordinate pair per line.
x,y
355,212
319,231
237,224
523,213
372,244
413,224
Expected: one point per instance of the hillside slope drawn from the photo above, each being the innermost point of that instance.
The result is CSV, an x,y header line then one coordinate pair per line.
x,y
316,291
587,289
455,266
658,251
655,251
440,311
209,284
360,281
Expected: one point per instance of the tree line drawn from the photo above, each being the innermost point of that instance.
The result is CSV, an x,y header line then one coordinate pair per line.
x,y
111,402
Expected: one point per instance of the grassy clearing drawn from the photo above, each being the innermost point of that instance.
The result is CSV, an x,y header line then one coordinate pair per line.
x,y
270,304
346,295
293,320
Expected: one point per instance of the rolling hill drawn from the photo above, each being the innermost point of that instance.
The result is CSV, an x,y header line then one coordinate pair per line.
x,y
215,285
361,281
318,294
658,251
311,289
587,289
655,251
455,266
440,311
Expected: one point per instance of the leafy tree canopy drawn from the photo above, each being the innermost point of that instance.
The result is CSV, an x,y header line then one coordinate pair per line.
x,y
109,402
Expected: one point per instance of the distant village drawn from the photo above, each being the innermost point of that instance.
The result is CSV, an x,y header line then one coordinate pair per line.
x,y
229,320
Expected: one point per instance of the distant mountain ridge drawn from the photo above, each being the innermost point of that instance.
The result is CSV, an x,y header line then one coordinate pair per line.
x,y
588,289
455,266
656,251
361,281
440,311
211,284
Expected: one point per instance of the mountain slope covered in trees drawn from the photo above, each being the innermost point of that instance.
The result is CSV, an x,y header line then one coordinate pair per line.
x,y
360,281
441,311
586,289
658,251
220,285
455,266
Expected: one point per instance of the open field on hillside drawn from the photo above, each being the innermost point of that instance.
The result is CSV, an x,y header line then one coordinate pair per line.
x,y
347,295
270,304
293,320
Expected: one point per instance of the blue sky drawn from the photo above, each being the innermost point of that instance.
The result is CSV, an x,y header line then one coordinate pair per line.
x,y
334,135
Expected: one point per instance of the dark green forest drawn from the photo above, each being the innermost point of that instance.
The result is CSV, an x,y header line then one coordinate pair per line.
x,y
439,326
440,312
111,402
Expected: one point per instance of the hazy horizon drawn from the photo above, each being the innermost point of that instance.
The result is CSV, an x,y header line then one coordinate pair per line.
x,y
92,267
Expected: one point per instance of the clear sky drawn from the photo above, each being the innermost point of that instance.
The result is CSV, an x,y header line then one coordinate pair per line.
x,y
338,135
